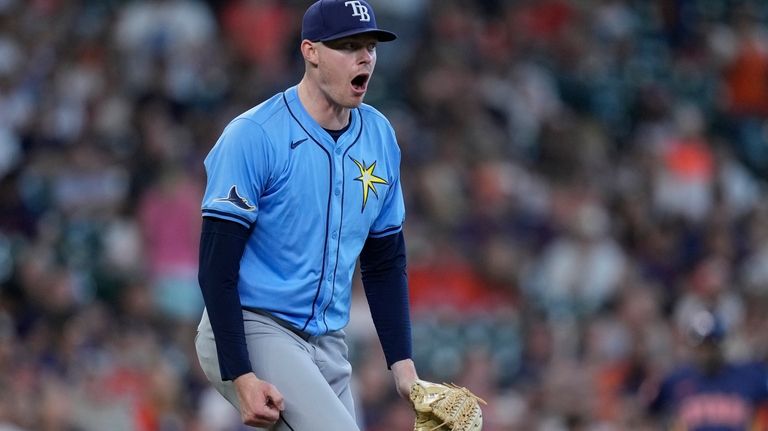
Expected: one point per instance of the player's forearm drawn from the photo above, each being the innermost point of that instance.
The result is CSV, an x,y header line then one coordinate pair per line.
x,y
221,247
383,271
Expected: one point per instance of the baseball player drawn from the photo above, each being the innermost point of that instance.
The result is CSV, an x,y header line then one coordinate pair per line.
x,y
298,188
711,394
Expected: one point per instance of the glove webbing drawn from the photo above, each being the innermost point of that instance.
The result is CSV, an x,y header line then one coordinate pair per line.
x,y
455,407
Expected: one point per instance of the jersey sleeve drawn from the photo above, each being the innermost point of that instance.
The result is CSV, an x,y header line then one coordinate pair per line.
x,y
392,215
237,170
385,281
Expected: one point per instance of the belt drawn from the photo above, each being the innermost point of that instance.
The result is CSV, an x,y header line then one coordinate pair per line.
x,y
282,322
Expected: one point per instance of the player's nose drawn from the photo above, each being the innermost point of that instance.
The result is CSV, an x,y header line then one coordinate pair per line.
x,y
366,56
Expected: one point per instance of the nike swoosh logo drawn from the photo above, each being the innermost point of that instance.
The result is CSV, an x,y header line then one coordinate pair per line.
x,y
297,143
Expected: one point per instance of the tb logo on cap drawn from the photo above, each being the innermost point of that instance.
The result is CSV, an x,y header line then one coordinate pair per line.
x,y
359,9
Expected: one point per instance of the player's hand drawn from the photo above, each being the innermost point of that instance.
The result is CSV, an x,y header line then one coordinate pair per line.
x,y
405,375
260,401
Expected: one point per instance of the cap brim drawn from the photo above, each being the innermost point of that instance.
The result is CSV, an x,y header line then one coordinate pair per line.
x,y
380,35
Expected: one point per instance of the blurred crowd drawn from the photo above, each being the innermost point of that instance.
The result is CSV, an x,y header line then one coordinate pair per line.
x,y
581,177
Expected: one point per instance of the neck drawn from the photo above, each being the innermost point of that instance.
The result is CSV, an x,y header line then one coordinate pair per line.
x,y
321,108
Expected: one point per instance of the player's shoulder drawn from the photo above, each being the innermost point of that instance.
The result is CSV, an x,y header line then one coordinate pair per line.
x,y
254,124
377,125
264,111
371,114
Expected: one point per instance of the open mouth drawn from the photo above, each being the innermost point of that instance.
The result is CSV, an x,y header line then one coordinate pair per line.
x,y
360,82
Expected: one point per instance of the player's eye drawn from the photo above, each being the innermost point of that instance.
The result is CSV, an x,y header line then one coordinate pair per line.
x,y
352,45
342,45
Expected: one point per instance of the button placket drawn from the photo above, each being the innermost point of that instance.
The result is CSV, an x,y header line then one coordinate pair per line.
x,y
334,226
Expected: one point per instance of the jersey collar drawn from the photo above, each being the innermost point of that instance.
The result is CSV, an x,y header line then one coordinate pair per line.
x,y
314,130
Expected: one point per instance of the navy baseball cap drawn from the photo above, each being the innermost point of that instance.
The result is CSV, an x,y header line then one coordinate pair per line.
x,y
333,19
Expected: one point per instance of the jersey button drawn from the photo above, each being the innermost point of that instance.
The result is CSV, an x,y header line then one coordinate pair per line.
x,y
338,150
337,191
333,235
329,277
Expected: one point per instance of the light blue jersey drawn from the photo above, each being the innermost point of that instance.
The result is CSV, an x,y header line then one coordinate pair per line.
x,y
311,202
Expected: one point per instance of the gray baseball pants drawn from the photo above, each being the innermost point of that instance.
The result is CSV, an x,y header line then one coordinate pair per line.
x,y
312,375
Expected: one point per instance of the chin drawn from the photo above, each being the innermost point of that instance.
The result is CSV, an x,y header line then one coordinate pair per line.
x,y
352,103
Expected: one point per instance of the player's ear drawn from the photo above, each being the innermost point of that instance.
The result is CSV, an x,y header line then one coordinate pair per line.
x,y
309,52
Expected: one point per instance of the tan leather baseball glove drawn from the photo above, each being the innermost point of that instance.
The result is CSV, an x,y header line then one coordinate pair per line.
x,y
445,407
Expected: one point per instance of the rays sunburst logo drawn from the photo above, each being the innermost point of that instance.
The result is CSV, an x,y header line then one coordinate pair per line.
x,y
368,180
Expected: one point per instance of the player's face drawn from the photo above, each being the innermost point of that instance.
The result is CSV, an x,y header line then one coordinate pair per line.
x,y
345,68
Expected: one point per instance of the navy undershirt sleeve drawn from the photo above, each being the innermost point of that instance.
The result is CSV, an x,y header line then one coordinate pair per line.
x,y
385,280
222,243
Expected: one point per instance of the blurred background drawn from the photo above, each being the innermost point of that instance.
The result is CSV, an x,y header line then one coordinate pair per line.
x,y
581,178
